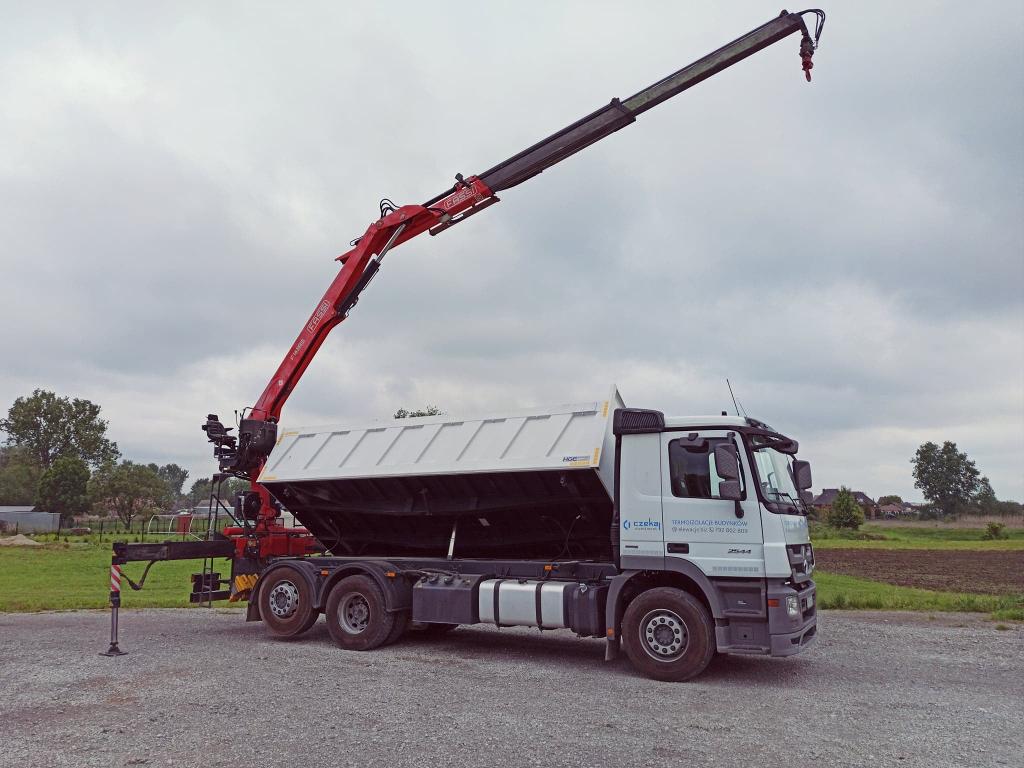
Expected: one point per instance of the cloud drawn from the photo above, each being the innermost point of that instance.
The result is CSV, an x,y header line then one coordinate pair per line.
x,y
850,254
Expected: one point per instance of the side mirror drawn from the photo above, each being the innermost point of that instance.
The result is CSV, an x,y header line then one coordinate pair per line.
x,y
730,489
727,463
801,475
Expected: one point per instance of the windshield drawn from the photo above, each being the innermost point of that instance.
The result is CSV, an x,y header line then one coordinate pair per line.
x,y
775,474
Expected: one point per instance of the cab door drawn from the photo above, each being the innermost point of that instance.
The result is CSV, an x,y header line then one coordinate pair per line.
x,y
699,525
641,524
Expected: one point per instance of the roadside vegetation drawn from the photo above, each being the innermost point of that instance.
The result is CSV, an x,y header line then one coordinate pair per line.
x,y
850,593
58,458
924,536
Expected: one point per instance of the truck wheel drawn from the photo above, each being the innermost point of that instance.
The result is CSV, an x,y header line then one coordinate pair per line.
x,y
401,625
286,604
668,634
357,616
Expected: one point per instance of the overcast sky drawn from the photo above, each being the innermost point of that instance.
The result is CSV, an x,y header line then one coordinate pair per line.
x,y
175,183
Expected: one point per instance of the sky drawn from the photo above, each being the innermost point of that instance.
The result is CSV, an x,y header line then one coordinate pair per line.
x,y
176,180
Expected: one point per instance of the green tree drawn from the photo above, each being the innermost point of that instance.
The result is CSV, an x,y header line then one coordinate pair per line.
x,y
200,491
173,475
128,489
430,410
229,489
845,512
48,426
892,498
1002,507
19,477
985,501
63,487
947,477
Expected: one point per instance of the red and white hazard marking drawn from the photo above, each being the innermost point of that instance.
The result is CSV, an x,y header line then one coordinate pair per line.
x,y
115,578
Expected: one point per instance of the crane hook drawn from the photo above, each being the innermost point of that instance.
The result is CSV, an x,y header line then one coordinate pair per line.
x,y
806,53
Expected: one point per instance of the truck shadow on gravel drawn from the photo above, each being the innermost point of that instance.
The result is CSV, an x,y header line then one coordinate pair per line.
x,y
554,652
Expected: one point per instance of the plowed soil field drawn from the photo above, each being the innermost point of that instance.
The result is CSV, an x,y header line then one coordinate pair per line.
x,y
985,572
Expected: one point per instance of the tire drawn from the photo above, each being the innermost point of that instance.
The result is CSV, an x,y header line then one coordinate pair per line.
x,y
357,616
401,625
310,623
668,634
286,604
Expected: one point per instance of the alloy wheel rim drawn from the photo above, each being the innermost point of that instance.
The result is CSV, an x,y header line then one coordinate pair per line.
x,y
354,614
284,599
663,635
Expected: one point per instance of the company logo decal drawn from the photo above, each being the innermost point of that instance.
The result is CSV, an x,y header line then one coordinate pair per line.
x,y
318,315
576,460
647,525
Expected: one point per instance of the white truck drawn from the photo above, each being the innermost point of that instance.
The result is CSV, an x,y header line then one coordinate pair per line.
x,y
677,537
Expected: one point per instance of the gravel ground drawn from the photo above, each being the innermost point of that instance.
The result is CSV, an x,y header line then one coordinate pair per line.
x,y
879,689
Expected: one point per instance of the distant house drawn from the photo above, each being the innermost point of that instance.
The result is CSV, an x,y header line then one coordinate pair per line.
x,y
824,500
892,510
27,519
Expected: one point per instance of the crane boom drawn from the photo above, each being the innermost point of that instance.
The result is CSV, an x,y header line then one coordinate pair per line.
x,y
245,454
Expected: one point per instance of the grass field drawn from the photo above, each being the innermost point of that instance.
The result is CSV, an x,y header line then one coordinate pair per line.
x,y
58,577
55,577
850,593
881,536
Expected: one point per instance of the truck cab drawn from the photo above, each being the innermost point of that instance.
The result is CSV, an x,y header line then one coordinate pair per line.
x,y
717,506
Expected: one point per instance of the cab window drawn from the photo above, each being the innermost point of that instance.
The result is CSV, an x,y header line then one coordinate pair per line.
x,y
692,467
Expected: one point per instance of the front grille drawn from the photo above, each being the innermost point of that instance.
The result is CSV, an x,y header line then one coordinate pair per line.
x,y
801,558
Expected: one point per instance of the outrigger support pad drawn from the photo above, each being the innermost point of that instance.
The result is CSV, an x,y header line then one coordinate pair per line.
x,y
115,604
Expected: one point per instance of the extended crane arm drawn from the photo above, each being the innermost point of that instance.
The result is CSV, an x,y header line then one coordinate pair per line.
x,y
257,433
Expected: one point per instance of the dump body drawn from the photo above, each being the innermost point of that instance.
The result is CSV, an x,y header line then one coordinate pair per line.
x,y
531,483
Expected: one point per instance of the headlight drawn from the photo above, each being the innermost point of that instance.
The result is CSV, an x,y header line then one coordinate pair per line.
x,y
793,606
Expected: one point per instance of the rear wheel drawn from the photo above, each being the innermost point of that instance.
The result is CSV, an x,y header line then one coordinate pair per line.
x,y
668,634
286,603
357,616
400,627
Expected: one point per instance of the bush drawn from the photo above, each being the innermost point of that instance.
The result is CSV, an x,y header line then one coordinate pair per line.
x,y
995,530
845,512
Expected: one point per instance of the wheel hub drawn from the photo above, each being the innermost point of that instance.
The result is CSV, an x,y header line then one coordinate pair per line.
x,y
284,599
354,614
663,635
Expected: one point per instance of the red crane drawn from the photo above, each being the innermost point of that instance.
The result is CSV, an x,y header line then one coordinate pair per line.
x,y
244,456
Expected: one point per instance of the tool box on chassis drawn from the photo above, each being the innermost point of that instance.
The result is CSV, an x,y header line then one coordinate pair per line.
x,y
526,519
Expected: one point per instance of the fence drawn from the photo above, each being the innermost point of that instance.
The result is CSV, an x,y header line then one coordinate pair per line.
x,y
138,530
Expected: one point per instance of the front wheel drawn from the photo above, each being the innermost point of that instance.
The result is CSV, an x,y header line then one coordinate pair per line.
x,y
286,603
668,634
357,616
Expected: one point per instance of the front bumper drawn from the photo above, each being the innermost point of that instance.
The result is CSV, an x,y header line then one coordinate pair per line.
x,y
790,635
